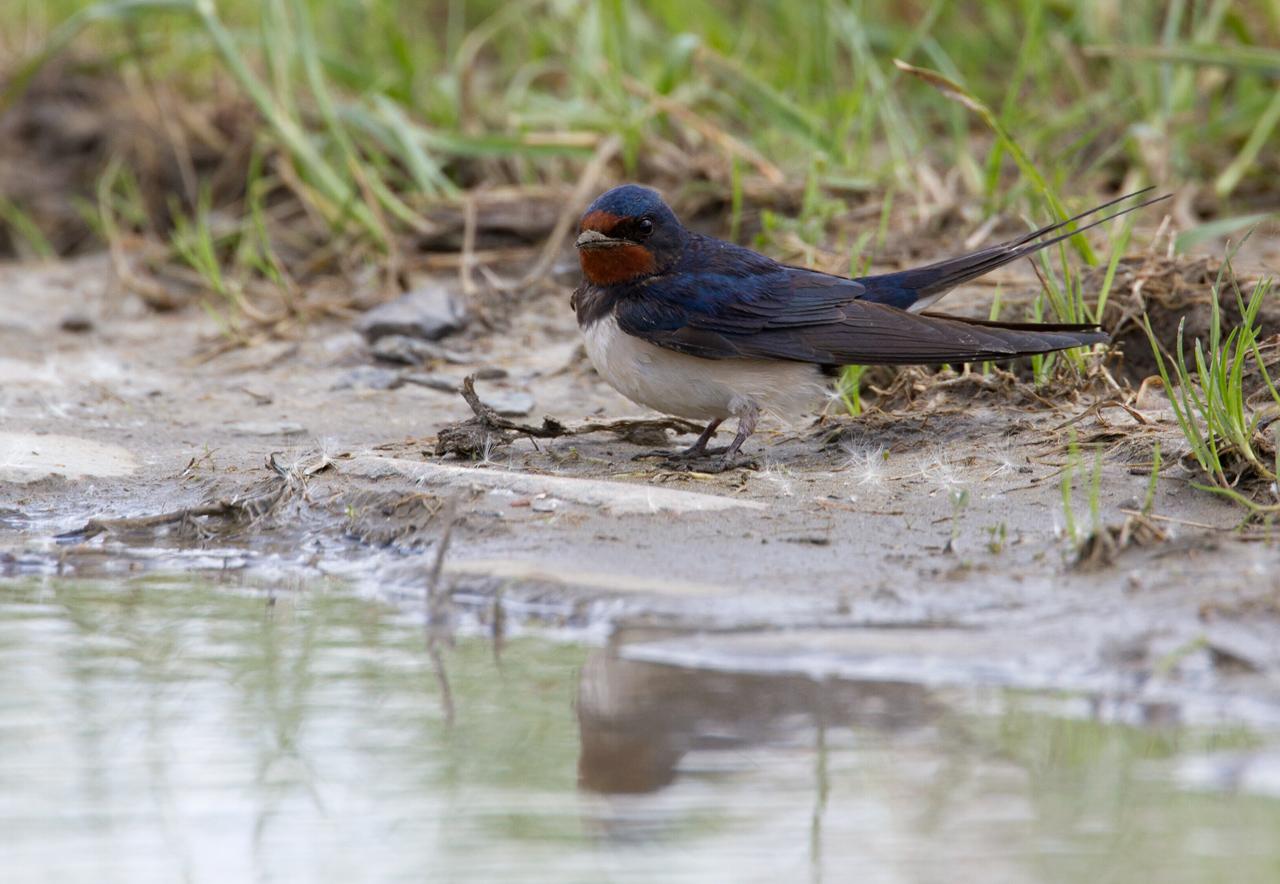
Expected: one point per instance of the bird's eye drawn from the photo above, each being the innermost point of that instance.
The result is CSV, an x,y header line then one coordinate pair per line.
x,y
644,227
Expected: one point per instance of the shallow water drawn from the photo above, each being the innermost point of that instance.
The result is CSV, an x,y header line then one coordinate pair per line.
x,y
189,729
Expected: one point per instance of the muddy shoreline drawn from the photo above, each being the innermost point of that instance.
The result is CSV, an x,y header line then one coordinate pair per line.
x,y
928,544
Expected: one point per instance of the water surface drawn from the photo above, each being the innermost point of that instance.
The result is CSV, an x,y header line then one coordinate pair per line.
x,y
194,730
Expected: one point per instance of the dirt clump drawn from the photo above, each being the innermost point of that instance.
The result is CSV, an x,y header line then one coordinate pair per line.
x,y
1173,293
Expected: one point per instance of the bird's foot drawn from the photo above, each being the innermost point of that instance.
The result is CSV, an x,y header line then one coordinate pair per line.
x,y
703,459
713,461
686,454
729,462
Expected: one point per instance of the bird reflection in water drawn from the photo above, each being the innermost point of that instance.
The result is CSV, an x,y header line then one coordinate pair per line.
x,y
638,720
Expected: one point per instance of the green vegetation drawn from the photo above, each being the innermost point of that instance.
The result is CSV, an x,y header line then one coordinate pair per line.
x,y
1219,417
849,388
371,110
1153,481
998,536
1074,467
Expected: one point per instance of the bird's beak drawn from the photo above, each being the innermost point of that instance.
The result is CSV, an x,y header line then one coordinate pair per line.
x,y
594,239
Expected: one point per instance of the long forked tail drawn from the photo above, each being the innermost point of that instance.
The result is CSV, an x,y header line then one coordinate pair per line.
x,y
917,288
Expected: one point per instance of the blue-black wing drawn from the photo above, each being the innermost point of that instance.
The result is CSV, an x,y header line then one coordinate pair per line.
x,y
723,302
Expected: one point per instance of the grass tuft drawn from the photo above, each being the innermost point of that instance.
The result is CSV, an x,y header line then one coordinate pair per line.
x,y
1223,426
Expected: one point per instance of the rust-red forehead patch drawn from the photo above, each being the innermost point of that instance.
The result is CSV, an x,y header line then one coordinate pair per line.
x,y
600,221
616,264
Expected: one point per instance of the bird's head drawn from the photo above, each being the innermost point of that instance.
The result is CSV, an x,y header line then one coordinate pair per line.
x,y
628,234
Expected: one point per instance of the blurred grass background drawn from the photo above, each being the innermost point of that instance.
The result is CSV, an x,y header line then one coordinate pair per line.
x,y
366,116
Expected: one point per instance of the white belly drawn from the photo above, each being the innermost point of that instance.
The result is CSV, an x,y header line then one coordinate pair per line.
x,y
700,389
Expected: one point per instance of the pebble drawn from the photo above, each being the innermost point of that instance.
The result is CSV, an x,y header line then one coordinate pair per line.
x,y
266,428
434,381
429,312
514,403
369,377
76,323
413,351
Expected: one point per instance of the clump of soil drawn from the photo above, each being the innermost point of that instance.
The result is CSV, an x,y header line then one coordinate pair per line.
x,y
1103,547
1170,292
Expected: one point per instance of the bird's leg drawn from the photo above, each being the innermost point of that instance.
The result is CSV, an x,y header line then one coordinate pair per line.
x,y
729,460
746,426
699,448
694,451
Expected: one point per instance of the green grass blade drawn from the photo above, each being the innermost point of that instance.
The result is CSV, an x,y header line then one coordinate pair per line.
x,y
956,92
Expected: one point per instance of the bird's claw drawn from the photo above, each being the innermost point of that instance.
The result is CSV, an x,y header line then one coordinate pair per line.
x,y
684,456
729,462
657,452
713,462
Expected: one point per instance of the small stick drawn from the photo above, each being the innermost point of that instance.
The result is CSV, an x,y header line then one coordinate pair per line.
x,y
94,527
553,429
1175,520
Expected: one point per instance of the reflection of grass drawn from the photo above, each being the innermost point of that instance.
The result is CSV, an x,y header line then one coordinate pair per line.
x,y
1086,774
310,660
1027,734
315,706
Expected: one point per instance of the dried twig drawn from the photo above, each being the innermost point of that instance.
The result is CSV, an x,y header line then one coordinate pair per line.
x,y
94,527
247,509
488,430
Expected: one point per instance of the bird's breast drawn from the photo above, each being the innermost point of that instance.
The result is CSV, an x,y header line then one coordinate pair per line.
x,y
696,388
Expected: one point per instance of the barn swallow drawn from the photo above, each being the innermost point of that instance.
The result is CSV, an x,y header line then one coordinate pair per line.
x,y
704,329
